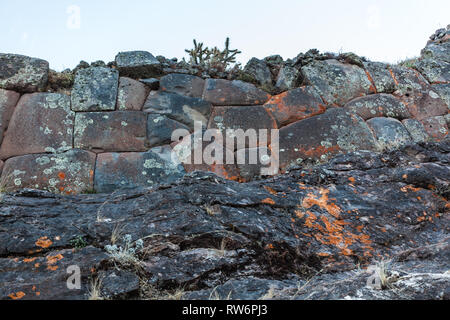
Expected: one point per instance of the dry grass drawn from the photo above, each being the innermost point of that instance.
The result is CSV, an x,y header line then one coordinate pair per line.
x,y
95,292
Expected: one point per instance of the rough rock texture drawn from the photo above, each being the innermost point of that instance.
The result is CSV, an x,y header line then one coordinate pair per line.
x,y
378,105
138,64
111,131
288,78
161,128
416,130
41,123
22,74
183,84
233,93
8,100
389,132
131,95
323,233
443,89
381,76
95,89
259,71
436,127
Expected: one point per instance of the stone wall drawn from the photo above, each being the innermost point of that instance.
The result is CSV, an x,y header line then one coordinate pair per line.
x,y
113,129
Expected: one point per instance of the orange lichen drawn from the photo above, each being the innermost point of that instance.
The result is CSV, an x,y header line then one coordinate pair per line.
x,y
28,260
52,268
352,180
270,190
54,259
43,242
410,188
268,201
17,295
322,202
61,175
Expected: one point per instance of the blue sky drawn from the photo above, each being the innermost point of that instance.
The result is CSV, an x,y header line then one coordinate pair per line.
x,y
380,30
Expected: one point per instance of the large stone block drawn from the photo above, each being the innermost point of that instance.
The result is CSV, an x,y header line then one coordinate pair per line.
x,y
435,71
416,130
69,172
186,110
138,64
128,170
288,78
8,100
41,122
381,76
119,131
295,105
320,137
184,84
336,82
443,89
436,127
259,71
95,89
132,94
389,132
378,105
233,93
160,129
245,118
437,51
23,74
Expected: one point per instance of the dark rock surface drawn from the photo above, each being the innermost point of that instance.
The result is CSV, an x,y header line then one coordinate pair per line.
x,y
326,232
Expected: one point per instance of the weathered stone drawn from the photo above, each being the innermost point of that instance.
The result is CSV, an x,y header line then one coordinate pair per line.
x,y
118,284
381,76
259,70
320,137
70,172
184,84
437,51
22,74
436,127
416,130
183,109
295,105
389,132
132,94
138,64
129,170
119,131
337,83
246,118
252,162
378,105
160,129
447,119
152,83
95,89
443,89
233,93
41,122
417,94
8,100
435,71
288,78
1,166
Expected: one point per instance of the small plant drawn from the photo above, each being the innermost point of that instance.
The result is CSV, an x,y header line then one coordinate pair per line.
x,y
79,242
95,292
126,256
409,63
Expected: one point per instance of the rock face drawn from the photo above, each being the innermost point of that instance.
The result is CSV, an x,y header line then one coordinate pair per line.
x,y
138,64
320,233
233,93
389,132
22,74
184,84
378,105
259,71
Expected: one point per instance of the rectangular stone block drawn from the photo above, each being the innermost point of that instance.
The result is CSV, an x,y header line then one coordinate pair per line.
x,y
132,94
8,100
233,93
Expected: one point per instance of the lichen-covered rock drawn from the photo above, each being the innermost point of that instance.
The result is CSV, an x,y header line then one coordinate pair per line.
x,y
259,71
151,83
8,100
186,110
245,118
336,82
252,161
320,137
233,93
71,172
416,130
288,78
119,131
381,76
443,89
23,74
41,123
129,170
437,51
436,127
95,89
435,71
378,105
295,105
184,84
138,64
131,95
160,129
389,132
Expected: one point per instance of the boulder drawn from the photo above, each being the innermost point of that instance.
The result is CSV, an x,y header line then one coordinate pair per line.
x,y
416,130
23,74
323,136
437,51
131,95
378,105
130,170
443,89
436,127
183,84
288,78
160,129
95,89
258,70
295,105
435,71
138,64
389,132
233,93
8,100
41,123
336,82
244,118
180,108
119,131
71,172
380,75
